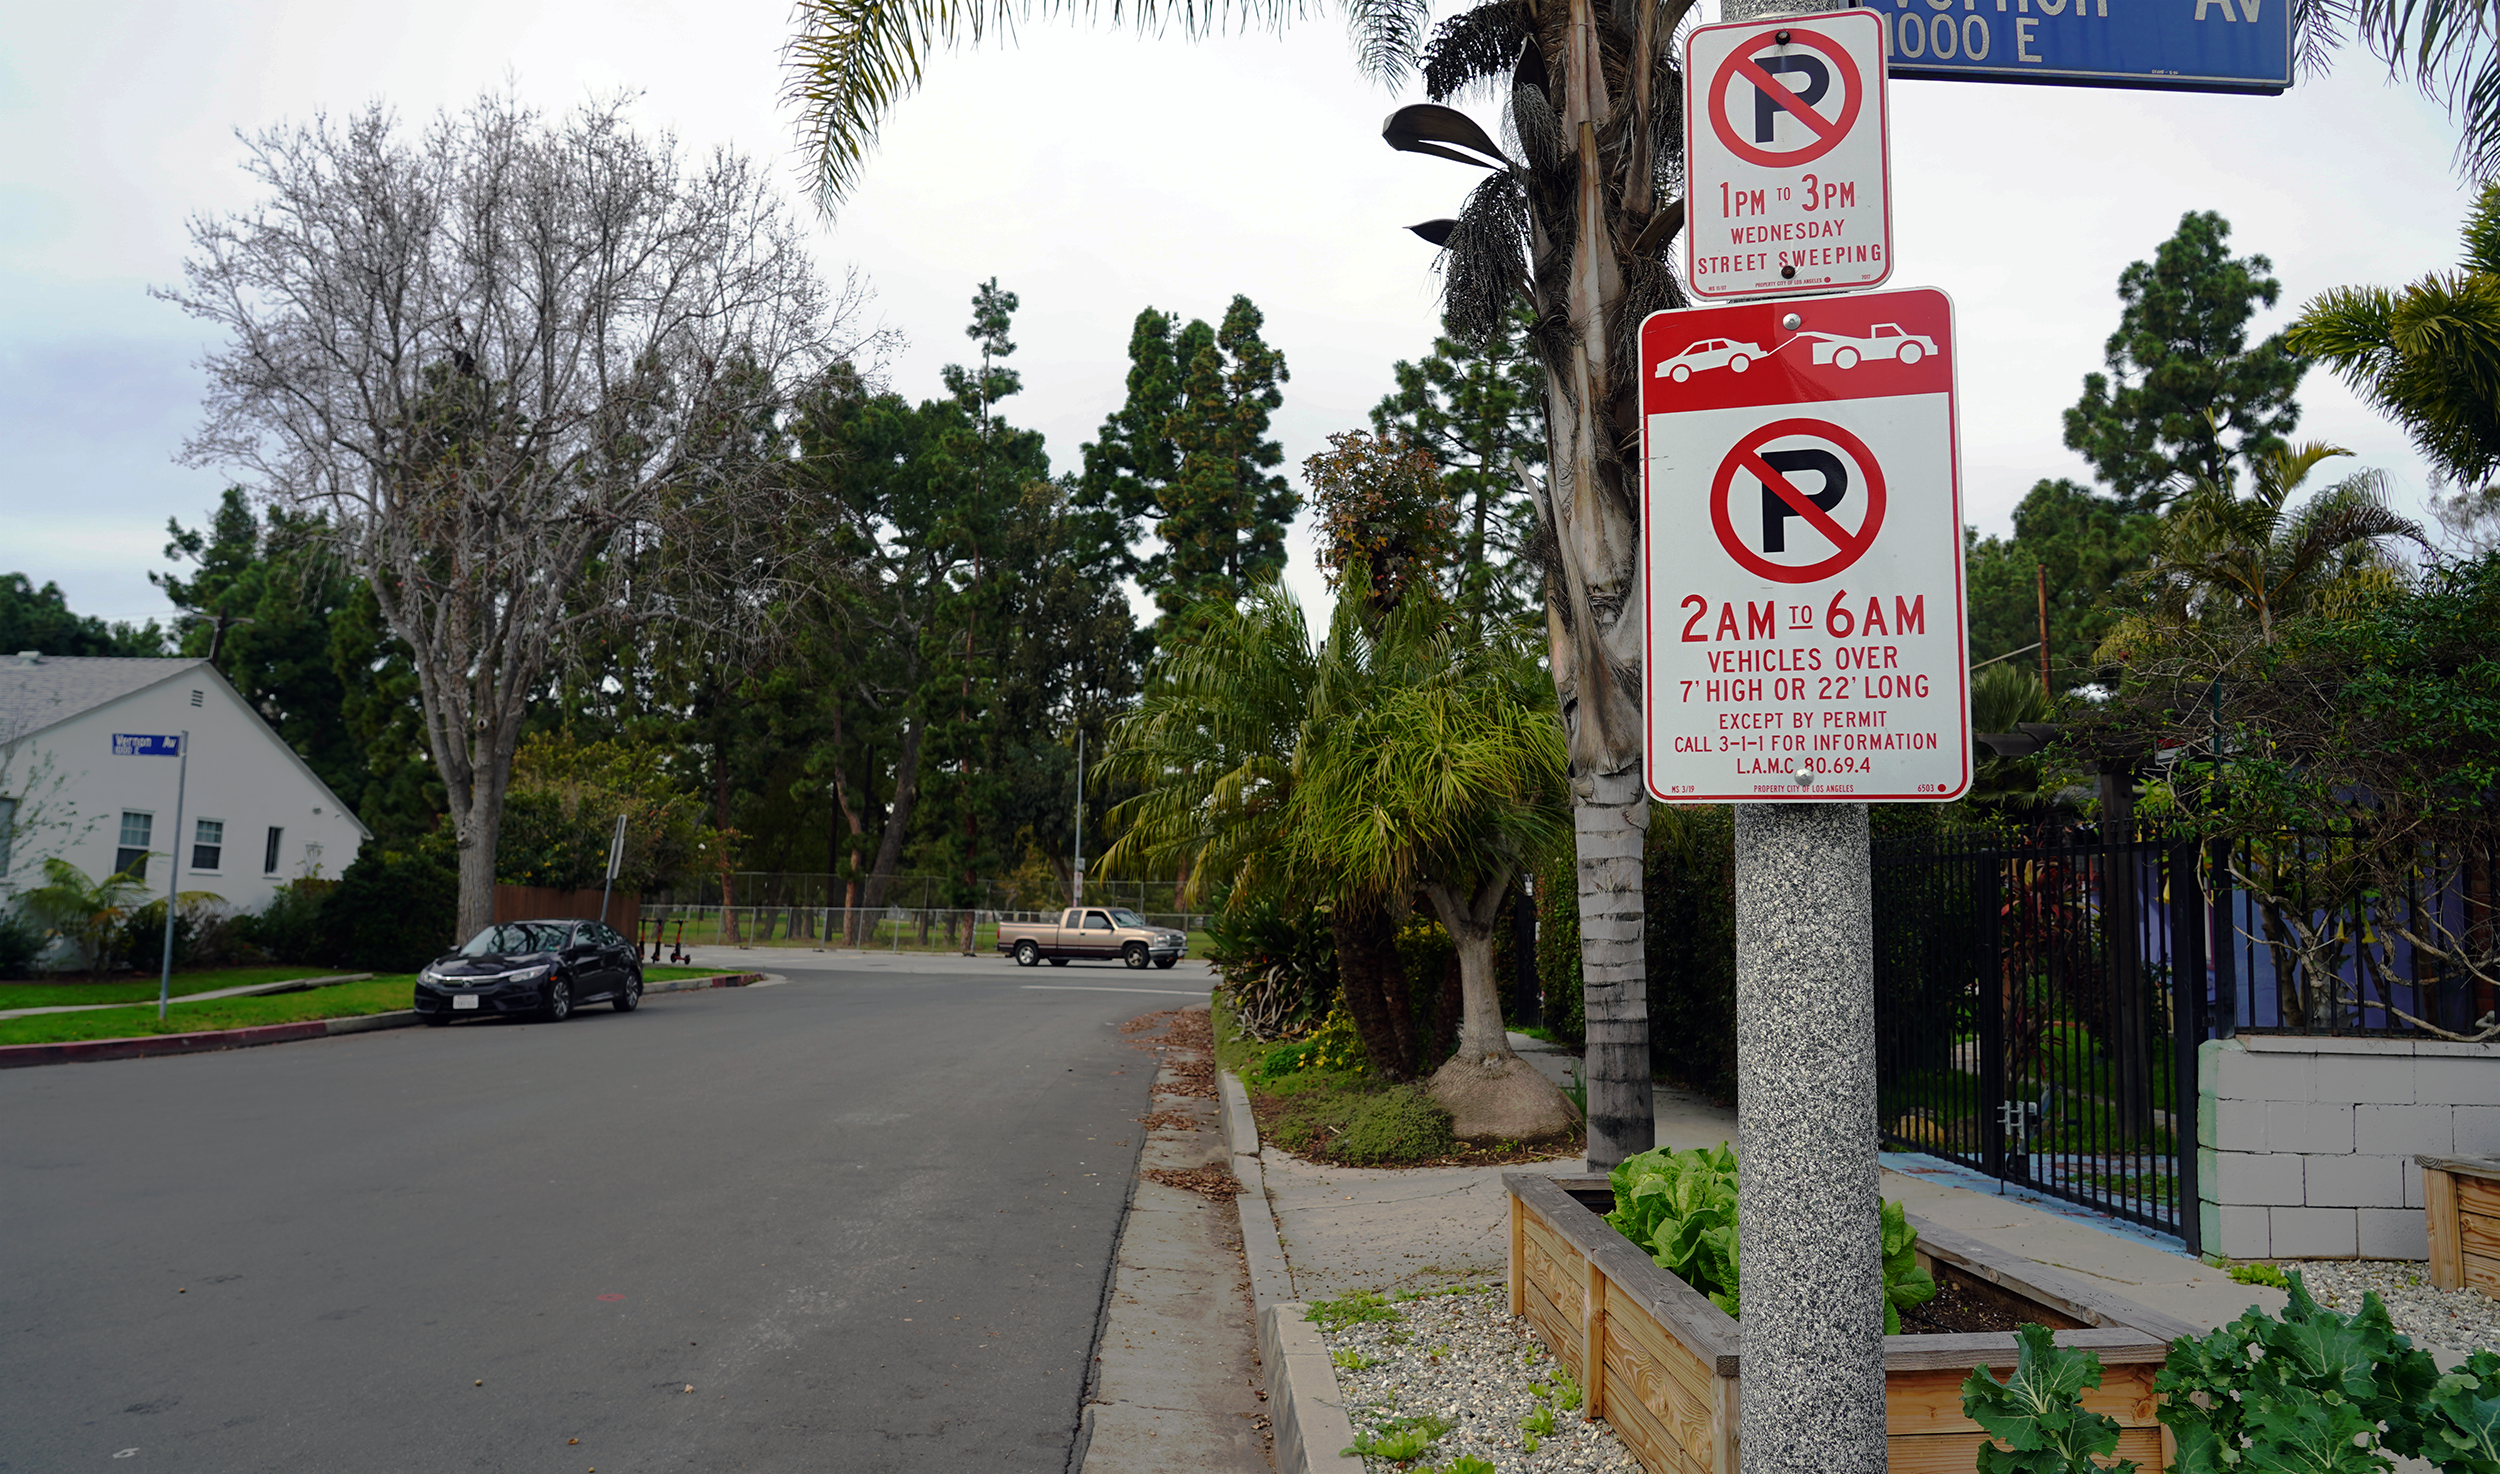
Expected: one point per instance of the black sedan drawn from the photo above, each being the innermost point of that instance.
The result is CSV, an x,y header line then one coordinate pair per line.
x,y
540,969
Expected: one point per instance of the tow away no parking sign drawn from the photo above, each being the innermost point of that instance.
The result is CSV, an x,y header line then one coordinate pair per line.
x,y
1802,541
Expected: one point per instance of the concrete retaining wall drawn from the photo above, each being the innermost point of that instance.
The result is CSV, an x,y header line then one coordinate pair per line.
x,y
2306,1145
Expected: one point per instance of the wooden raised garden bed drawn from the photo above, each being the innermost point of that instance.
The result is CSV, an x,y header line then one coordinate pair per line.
x,y
1660,1363
2461,1209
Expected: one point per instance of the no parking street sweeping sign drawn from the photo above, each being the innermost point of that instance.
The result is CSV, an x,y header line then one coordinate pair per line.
x,y
1801,542
1787,154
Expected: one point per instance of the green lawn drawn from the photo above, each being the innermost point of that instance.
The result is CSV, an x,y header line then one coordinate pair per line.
x,y
136,990
386,994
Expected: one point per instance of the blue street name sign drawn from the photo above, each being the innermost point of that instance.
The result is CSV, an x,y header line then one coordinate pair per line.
x,y
146,744
2172,45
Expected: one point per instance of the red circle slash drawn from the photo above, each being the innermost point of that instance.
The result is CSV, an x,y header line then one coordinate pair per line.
x,y
1746,456
1827,131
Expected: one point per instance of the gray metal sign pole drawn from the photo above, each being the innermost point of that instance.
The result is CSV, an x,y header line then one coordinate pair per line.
x,y
1810,1271
1810,1251
173,876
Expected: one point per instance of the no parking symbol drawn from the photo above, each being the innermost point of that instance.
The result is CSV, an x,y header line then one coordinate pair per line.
x,y
1811,472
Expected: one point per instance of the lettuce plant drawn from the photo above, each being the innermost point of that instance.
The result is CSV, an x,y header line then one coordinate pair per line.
x,y
1680,1208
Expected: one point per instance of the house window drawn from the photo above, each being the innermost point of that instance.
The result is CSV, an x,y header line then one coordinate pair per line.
x,y
269,855
131,858
208,844
8,832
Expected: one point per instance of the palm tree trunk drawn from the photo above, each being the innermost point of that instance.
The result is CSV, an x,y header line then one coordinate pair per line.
x,y
1593,604
1374,983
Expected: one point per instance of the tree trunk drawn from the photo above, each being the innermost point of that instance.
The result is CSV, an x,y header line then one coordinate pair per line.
x,y
1612,825
1374,983
897,814
1594,617
1489,1091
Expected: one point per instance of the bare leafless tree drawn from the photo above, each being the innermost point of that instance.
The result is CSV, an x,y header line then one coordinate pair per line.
x,y
514,361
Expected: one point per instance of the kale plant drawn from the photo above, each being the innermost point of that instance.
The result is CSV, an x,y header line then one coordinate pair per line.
x,y
2038,1412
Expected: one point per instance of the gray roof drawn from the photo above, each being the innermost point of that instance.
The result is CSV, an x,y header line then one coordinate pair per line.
x,y
58,687
52,689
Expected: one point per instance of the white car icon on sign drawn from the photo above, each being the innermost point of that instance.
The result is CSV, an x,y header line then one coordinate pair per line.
x,y
1884,340
1710,353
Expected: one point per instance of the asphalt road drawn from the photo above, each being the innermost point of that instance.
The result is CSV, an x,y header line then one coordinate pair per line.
x,y
866,1217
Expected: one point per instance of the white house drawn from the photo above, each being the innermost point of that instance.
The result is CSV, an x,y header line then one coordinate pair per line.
x,y
253,815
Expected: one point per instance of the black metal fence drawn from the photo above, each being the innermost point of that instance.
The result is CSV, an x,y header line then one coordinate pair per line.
x,y
2040,1004
2323,939
2039,1008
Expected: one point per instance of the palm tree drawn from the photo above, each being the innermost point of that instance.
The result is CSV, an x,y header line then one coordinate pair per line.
x,y
1442,771
85,913
2221,558
1393,759
2427,356
1578,229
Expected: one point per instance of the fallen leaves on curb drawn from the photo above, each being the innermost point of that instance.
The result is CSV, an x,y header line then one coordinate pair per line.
x,y
1169,1121
1218,1183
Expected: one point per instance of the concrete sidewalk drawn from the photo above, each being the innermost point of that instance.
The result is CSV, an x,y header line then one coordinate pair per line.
x,y
1347,1228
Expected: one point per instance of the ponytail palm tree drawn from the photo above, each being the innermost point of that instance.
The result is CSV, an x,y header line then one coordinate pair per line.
x,y
1395,760
1577,229
1441,772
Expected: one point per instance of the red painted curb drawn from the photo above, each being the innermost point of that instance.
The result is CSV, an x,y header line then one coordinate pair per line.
x,y
73,1051
81,1051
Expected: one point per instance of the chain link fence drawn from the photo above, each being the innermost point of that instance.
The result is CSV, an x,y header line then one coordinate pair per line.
x,y
668,928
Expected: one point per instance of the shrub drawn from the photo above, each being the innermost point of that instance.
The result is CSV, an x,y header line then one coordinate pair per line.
x,y
1689,904
1400,1124
393,911
288,929
1558,949
21,942
1335,1047
1319,1107
1278,962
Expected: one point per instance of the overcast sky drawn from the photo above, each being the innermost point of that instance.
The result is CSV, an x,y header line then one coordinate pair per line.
x,y
1094,173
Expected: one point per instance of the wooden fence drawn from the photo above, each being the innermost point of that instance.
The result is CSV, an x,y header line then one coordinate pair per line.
x,y
538,903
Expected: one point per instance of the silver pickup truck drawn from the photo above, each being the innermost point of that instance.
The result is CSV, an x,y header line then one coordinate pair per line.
x,y
1106,933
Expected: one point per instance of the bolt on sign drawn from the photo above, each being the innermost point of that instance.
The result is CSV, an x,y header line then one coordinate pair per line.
x,y
1801,545
1787,159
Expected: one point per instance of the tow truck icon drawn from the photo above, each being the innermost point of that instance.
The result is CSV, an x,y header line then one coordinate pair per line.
x,y
1884,340
1840,350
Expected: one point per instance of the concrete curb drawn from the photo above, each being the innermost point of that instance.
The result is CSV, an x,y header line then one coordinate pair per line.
x,y
1261,1244
1303,1403
149,1046
1305,1407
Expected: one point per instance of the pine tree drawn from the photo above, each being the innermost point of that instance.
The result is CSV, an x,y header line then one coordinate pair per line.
x,y
2181,374
1189,452
1480,409
1129,471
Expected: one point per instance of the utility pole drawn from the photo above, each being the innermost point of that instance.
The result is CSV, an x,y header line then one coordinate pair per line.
x,y
1079,898
2045,688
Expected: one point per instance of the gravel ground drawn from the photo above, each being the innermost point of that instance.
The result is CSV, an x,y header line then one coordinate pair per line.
x,y
1457,1356
2460,1320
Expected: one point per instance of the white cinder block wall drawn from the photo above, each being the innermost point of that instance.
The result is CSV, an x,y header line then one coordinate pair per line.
x,y
2307,1144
